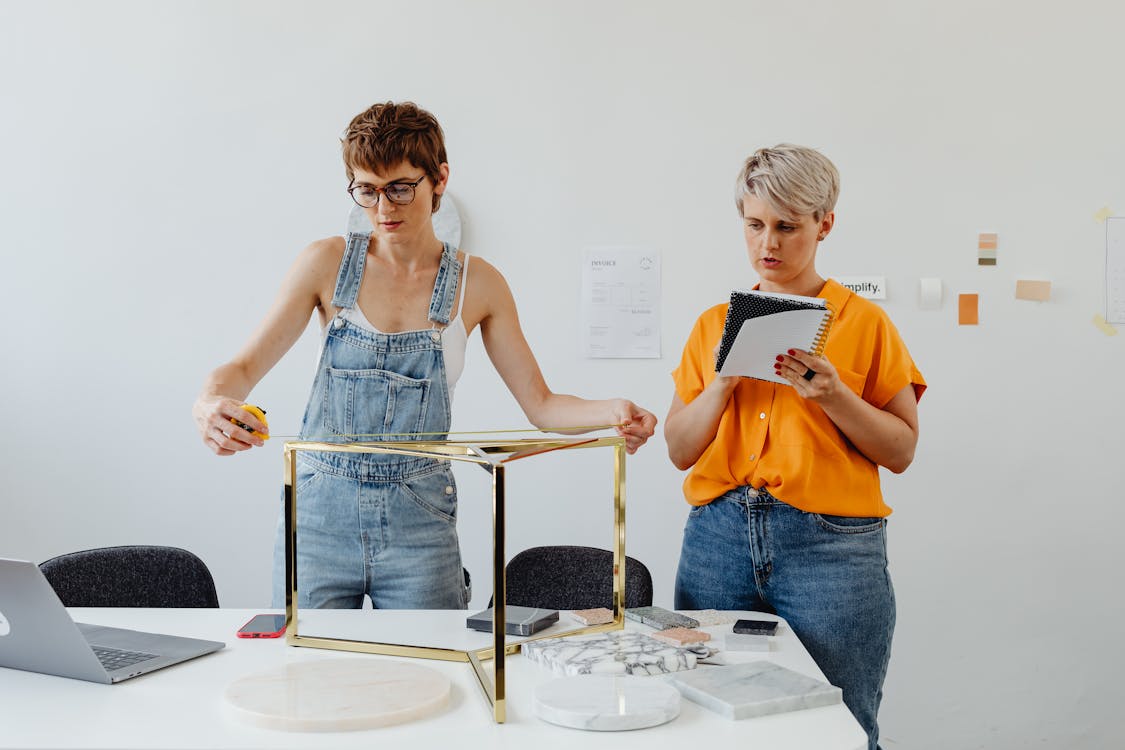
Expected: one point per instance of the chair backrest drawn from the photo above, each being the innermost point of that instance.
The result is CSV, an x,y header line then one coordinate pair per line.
x,y
566,577
131,576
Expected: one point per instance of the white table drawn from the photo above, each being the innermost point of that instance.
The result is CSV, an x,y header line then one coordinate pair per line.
x,y
183,706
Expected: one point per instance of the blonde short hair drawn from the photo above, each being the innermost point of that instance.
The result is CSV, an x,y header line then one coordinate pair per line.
x,y
793,180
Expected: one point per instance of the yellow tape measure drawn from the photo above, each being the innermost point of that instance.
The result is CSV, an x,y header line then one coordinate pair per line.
x,y
258,412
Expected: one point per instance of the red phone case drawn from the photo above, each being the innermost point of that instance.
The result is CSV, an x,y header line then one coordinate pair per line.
x,y
243,633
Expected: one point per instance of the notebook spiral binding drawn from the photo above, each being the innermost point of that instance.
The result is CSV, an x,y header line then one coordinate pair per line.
x,y
822,332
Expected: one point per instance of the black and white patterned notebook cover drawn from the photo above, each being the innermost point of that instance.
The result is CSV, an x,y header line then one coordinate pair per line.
x,y
747,304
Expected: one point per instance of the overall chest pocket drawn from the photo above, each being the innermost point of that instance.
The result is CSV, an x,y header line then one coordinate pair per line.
x,y
370,403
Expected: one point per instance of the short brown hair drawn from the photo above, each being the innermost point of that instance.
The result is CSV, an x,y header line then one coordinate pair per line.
x,y
385,134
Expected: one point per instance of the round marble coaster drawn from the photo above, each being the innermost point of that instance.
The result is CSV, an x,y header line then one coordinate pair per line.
x,y
607,704
335,695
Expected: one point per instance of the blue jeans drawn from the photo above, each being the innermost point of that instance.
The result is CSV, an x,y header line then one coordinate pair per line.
x,y
395,541
826,575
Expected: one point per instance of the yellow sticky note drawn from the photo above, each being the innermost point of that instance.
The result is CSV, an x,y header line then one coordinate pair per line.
x,y
1104,327
1038,291
1103,213
967,309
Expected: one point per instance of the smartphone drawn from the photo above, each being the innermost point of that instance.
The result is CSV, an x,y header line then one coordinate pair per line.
x,y
263,626
756,627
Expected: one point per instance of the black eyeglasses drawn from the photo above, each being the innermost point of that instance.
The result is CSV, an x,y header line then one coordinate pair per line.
x,y
399,193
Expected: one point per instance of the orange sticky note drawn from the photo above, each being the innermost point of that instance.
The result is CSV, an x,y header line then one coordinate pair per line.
x,y
987,241
967,309
1038,291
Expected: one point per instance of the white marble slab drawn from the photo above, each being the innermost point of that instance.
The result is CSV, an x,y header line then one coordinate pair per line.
x,y
336,695
747,642
616,652
605,703
757,688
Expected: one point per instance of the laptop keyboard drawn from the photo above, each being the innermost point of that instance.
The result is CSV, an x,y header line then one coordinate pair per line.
x,y
113,658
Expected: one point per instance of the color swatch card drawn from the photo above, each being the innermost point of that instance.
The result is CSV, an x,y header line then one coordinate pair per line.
x,y
967,305
986,248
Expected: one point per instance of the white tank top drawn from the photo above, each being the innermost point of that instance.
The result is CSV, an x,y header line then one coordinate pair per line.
x,y
454,337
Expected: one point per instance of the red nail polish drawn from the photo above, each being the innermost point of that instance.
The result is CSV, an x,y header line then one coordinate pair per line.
x,y
791,352
779,359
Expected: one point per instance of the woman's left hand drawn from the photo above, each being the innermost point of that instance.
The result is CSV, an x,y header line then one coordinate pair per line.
x,y
634,424
814,377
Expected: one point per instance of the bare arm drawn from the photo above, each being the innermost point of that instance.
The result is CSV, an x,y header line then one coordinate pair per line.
x,y
690,428
226,387
510,354
887,436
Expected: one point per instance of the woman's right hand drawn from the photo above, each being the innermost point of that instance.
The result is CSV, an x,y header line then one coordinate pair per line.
x,y
223,437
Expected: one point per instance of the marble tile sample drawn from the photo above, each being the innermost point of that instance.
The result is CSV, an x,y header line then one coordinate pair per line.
x,y
616,652
596,616
520,620
681,636
660,618
747,642
756,688
606,703
707,617
339,695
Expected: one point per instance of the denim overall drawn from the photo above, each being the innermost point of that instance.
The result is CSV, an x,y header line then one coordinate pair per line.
x,y
370,523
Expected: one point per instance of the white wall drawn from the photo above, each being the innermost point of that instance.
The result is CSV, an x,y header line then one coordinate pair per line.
x,y
162,164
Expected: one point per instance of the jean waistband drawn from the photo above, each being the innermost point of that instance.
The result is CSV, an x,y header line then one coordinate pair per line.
x,y
748,495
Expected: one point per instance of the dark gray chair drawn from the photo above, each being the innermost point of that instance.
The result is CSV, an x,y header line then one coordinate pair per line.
x,y
566,577
131,576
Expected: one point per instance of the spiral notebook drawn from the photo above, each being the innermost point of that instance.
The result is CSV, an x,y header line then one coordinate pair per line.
x,y
762,325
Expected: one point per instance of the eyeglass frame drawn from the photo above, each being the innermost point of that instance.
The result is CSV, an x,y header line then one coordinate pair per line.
x,y
380,191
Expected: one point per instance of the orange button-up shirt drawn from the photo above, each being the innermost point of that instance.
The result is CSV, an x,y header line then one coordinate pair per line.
x,y
768,436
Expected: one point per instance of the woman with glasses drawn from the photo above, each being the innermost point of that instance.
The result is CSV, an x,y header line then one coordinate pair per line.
x,y
787,515
396,307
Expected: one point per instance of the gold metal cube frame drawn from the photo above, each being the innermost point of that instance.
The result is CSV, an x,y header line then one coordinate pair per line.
x,y
493,456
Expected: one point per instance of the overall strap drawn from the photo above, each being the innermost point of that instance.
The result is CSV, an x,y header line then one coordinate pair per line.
x,y
351,270
441,303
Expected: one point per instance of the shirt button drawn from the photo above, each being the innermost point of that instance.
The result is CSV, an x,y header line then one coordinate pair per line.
x,y
449,489
753,456
762,415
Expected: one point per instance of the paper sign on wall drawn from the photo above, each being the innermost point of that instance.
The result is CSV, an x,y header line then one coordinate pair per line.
x,y
1038,291
929,293
967,309
621,303
868,287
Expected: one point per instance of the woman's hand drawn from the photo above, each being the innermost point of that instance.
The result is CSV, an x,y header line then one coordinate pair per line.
x,y
634,424
223,437
813,377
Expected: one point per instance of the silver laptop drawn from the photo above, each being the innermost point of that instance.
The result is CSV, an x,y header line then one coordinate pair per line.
x,y
37,635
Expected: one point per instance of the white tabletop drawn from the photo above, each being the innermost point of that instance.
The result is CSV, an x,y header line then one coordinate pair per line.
x,y
183,706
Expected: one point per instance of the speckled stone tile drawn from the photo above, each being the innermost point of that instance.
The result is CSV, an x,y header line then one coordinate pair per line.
x,y
681,636
660,618
596,616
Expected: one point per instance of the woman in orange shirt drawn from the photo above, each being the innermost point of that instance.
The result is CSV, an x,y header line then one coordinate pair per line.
x,y
787,514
